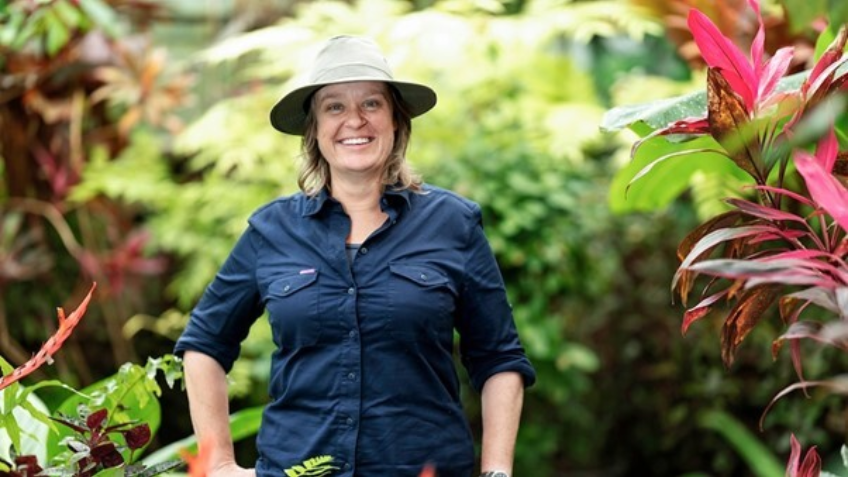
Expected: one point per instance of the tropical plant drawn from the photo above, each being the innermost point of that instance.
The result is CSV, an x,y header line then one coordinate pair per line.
x,y
783,239
89,444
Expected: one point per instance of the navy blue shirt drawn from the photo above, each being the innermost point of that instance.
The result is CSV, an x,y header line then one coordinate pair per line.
x,y
363,368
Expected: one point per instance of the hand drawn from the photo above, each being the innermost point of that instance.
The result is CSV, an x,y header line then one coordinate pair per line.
x,y
231,469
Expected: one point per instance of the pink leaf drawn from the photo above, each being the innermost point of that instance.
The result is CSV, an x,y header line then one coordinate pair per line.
x,y
757,46
713,239
794,457
824,188
694,126
774,69
719,52
788,193
762,211
827,150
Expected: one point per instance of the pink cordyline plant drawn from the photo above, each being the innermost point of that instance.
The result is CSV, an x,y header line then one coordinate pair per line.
x,y
765,246
744,109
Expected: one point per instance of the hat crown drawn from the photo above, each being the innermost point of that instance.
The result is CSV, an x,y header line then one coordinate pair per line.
x,y
346,57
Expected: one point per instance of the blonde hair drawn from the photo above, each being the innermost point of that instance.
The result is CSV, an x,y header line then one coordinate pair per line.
x,y
314,172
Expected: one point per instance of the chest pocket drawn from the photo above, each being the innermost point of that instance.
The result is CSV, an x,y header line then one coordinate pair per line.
x,y
423,300
293,309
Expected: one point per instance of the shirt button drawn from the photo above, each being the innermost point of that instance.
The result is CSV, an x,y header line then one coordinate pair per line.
x,y
351,376
347,466
363,250
423,276
350,421
286,288
351,291
352,333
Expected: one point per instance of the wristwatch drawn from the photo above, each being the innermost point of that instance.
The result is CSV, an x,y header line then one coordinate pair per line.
x,y
494,473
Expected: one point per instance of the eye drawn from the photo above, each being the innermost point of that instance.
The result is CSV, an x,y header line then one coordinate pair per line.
x,y
333,107
372,104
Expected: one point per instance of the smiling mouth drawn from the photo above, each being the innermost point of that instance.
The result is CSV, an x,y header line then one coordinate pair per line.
x,y
356,141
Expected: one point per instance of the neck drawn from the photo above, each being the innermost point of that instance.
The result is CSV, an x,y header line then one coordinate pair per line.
x,y
358,196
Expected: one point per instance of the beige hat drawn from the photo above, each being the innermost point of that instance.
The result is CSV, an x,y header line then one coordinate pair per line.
x,y
342,60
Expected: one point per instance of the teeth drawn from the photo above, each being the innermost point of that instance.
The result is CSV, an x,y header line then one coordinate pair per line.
x,y
356,141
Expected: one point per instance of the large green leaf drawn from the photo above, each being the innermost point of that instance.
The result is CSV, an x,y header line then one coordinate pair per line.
x,y
670,178
31,432
658,114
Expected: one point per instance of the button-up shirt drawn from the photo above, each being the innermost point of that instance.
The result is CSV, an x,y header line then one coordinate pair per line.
x,y
363,369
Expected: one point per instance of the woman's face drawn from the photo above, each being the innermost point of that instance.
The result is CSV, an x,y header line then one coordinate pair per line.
x,y
356,128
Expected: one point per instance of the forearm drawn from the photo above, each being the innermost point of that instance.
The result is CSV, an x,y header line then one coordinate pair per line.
x,y
502,399
206,384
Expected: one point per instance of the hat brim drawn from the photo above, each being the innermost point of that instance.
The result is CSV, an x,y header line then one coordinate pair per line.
x,y
289,114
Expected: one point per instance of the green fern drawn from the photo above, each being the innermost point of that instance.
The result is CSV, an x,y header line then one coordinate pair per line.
x,y
314,467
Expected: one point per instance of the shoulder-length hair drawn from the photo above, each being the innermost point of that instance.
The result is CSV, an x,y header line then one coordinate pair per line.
x,y
314,172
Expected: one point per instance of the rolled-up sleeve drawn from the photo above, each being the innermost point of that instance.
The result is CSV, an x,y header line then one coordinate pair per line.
x,y
227,309
489,342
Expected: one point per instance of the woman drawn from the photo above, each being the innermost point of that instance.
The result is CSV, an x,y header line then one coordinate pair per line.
x,y
365,275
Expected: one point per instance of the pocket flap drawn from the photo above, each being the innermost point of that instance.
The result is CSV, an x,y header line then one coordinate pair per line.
x,y
293,282
421,274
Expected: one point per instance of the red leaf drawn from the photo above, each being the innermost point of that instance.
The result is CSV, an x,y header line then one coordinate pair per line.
x,y
700,310
137,437
107,455
743,317
721,53
96,419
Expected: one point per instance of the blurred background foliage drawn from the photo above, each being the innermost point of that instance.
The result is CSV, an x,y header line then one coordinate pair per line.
x,y
135,142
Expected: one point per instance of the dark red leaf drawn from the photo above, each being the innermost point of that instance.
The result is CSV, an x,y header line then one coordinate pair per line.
x,y
138,436
730,125
742,318
107,455
27,465
95,420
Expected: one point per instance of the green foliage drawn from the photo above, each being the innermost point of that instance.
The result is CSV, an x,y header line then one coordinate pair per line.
x,y
47,28
317,466
760,459
130,395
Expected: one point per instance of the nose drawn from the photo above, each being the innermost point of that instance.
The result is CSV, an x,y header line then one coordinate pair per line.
x,y
356,118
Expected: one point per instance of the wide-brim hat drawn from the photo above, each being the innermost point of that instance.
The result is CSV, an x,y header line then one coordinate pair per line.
x,y
346,59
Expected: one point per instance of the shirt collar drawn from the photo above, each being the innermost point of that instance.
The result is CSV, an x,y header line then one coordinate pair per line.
x,y
314,204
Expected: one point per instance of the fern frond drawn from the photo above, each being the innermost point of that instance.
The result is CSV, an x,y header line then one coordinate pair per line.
x,y
319,466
